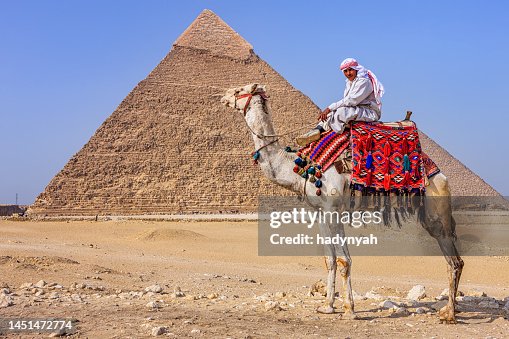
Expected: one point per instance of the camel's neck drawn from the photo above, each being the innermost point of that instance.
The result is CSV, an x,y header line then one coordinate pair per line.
x,y
276,167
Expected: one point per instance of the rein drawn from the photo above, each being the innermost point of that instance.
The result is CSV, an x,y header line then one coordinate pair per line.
x,y
256,154
249,96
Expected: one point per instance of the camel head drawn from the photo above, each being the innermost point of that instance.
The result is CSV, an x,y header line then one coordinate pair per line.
x,y
240,97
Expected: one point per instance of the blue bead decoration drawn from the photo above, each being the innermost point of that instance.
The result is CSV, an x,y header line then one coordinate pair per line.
x,y
369,161
305,175
311,170
256,155
298,161
318,167
318,183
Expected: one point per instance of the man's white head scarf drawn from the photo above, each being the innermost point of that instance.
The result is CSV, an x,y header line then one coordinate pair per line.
x,y
362,72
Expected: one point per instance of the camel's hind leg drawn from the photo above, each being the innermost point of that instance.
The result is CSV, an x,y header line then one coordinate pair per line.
x,y
455,266
440,224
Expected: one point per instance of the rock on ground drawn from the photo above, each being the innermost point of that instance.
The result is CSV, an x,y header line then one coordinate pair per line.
x,y
159,330
6,301
417,292
154,289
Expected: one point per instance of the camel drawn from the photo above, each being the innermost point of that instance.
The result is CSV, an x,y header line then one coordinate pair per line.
x,y
250,100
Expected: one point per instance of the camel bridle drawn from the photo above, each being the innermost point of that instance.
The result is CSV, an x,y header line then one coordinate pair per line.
x,y
249,96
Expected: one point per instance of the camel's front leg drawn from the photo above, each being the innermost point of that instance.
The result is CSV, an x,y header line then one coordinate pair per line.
x,y
330,263
348,303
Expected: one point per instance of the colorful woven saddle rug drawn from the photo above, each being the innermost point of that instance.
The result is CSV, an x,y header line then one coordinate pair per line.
x,y
384,156
325,151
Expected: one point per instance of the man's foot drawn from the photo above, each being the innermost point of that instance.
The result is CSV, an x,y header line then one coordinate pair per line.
x,y
308,138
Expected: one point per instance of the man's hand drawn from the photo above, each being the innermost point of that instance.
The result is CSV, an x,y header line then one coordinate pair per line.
x,y
325,113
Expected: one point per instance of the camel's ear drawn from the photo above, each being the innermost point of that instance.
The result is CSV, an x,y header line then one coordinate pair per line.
x,y
253,88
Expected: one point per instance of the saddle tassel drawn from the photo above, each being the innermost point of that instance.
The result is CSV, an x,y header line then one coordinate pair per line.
x,y
387,149
368,178
406,163
387,181
369,143
404,146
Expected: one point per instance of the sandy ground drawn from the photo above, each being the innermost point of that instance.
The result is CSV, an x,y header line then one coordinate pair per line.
x,y
214,284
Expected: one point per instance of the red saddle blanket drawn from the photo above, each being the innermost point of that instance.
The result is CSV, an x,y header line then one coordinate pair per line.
x,y
386,158
383,157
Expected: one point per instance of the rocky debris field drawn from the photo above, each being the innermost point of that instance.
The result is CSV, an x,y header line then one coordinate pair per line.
x,y
132,288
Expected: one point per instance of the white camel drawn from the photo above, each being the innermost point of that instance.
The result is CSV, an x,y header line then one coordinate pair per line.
x,y
250,100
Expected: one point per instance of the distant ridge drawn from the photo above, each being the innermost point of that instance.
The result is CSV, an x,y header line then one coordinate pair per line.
x,y
170,147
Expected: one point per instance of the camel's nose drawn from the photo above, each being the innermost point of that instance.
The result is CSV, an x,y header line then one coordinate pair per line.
x,y
224,101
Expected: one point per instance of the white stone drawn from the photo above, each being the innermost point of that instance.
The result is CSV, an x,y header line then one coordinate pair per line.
x,y
373,295
272,306
54,295
76,298
280,294
400,311
387,304
357,296
420,310
178,295
159,330
153,305
6,301
40,284
476,293
417,292
195,331
134,294
154,289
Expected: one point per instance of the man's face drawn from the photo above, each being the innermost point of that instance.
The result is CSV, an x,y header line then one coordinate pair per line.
x,y
350,73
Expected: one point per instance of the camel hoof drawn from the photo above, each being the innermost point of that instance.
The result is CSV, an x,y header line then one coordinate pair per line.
x,y
325,309
446,315
349,316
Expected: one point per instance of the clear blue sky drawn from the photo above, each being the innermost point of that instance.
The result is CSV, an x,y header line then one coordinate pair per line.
x,y
66,65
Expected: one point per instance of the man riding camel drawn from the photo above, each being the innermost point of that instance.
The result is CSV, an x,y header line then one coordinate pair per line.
x,y
361,102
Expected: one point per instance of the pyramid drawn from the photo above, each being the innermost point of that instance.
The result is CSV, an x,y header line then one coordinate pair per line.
x,y
171,147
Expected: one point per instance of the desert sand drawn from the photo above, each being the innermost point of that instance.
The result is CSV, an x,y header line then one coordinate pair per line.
x,y
135,279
